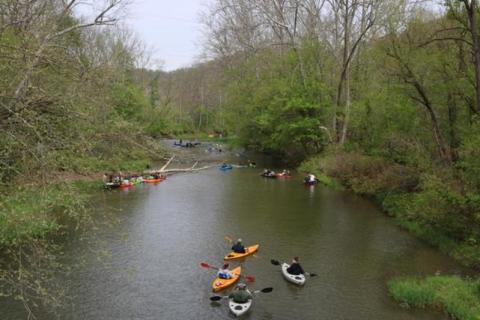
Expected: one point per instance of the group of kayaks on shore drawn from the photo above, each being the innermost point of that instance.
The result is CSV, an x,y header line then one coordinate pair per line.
x,y
241,298
129,181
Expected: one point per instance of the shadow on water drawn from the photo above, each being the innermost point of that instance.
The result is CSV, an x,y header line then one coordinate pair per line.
x,y
165,231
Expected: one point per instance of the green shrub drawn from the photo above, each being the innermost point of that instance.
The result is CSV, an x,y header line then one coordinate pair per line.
x,y
458,297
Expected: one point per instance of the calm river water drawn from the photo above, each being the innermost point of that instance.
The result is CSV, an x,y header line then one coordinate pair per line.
x,y
152,268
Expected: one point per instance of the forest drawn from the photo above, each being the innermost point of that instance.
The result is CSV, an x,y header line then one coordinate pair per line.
x,y
378,96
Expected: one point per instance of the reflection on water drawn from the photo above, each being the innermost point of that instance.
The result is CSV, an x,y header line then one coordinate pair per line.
x,y
166,230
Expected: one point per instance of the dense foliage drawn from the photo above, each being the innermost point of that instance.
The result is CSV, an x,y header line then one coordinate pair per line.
x,y
67,94
385,94
385,91
70,105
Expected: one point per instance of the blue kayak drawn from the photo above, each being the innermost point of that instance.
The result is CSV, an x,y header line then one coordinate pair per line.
x,y
225,167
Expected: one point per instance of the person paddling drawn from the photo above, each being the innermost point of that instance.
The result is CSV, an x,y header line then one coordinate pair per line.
x,y
238,247
241,294
295,267
224,273
310,178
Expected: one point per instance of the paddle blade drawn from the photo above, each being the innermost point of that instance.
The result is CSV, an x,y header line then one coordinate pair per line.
x,y
312,274
204,265
267,290
216,298
228,239
275,262
250,278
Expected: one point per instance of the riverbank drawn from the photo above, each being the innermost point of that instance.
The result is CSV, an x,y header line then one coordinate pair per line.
x,y
428,205
37,209
33,207
458,297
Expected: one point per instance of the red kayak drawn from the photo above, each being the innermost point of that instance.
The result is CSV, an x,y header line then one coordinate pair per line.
x,y
126,185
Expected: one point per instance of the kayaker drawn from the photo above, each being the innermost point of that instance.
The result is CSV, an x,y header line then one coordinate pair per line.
x,y
241,294
295,267
238,247
224,273
310,178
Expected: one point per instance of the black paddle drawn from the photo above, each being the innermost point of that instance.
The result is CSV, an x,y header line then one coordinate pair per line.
x,y
264,290
276,263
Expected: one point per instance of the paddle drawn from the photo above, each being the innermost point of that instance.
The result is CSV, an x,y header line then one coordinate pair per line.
x,y
264,290
276,263
228,239
207,266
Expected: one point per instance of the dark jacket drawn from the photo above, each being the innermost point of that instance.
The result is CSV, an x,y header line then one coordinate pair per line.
x,y
295,269
240,296
238,248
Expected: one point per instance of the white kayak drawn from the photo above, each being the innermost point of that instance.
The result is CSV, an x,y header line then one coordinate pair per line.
x,y
297,279
239,309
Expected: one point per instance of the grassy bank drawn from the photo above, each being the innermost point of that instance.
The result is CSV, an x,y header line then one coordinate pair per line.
x,y
38,210
430,206
35,209
435,207
458,297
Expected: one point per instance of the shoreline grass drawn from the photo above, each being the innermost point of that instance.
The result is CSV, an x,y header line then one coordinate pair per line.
x,y
459,298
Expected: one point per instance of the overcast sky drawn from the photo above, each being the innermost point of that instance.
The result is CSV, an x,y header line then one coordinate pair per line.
x,y
170,28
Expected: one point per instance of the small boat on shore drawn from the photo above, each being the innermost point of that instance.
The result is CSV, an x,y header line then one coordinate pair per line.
x,y
154,180
112,185
125,185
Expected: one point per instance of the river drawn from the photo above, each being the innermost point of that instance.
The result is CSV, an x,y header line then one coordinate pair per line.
x,y
165,231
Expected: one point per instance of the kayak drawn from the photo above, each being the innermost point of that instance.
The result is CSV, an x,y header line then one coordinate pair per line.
x,y
248,251
297,279
126,185
271,176
226,167
219,284
239,309
310,183
112,185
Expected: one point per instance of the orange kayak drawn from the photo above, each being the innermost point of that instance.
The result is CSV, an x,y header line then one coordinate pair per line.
x,y
126,185
152,180
248,251
219,284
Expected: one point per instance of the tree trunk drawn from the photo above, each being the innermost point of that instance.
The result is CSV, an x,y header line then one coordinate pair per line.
x,y
346,67
472,19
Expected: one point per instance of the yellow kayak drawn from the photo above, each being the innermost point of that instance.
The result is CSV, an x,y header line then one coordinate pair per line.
x,y
248,251
219,284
